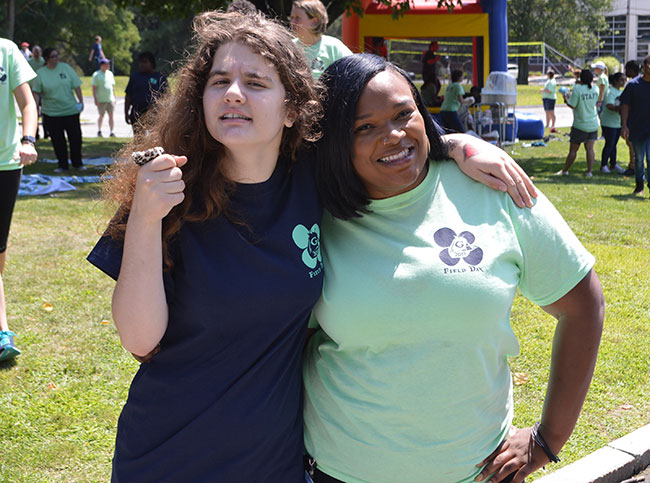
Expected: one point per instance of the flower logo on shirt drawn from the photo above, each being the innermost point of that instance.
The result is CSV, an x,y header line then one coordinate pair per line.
x,y
309,242
3,75
457,247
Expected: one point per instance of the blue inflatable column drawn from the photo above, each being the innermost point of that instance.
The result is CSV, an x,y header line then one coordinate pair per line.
x,y
498,27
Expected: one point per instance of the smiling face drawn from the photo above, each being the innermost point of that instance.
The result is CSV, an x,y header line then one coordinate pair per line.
x,y
390,146
244,101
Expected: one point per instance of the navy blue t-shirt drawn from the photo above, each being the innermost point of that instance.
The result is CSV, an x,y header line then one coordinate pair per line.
x,y
143,87
637,95
222,400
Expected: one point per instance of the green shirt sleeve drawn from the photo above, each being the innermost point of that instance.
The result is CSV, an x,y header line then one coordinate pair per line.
x,y
554,260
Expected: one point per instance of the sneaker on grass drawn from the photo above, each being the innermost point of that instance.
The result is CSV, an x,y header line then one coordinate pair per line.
x,y
618,169
7,348
604,169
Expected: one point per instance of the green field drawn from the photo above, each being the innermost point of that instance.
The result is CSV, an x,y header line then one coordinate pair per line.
x,y
61,398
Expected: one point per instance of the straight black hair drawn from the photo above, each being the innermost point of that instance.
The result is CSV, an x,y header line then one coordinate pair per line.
x,y
148,56
614,78
456,75
341,190
586,77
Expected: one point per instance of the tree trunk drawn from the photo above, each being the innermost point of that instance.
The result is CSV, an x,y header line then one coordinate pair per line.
x,y
11,19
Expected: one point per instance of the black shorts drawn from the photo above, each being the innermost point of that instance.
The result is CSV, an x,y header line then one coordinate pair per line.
x,y
549,104
9,184
578,136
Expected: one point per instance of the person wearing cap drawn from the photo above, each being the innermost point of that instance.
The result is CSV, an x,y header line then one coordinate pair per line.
x,y
103,83
635,122
24,49
15,152
549,96
602,82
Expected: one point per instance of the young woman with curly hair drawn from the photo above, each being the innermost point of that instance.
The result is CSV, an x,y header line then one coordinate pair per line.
x,y
226,291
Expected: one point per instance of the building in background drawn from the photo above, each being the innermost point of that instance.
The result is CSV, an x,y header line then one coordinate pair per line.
x,y
628,36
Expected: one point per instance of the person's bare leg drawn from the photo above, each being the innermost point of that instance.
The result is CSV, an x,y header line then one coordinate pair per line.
x,y
100,120
571,157
111,121
3,306
552,125
591,156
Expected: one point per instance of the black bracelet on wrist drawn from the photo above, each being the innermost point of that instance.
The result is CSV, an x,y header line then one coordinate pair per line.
x,y
539,440
28,139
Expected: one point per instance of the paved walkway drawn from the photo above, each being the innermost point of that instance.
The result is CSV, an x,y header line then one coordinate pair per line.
x,y
89,120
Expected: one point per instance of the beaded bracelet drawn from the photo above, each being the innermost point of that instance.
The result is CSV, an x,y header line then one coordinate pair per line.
x,y
539,440
143,157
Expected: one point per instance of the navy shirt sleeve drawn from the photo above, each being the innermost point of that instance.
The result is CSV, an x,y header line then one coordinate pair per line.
x,y
107,256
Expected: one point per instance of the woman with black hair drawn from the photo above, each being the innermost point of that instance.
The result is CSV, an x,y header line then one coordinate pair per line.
x,y
583,101
407,378
58,89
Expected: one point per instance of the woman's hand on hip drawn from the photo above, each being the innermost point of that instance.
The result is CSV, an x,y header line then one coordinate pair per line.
x,y
518,454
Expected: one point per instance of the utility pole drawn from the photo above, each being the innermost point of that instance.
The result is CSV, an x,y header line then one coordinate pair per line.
x,y
628,37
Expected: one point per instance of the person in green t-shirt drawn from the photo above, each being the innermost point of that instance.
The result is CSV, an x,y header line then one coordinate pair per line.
x,y
15,152
58,87
549,96
610,123
585,122
103,83
308,21
452,101
602,82
37,61
406,376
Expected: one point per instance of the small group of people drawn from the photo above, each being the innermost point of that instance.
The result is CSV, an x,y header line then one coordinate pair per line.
x,y
618,107
223,256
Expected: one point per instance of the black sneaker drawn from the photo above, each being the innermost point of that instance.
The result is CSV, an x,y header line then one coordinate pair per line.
x,y
628,172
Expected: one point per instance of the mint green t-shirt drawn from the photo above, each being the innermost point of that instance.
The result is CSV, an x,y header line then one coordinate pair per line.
x,y
56,87
609,118
14,71
602,80
323,53
104,81
408,380
585,113
35,63
450,102
551,85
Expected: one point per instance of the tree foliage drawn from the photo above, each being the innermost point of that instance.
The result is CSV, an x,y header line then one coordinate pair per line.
x,y
273,8
71,25
570,26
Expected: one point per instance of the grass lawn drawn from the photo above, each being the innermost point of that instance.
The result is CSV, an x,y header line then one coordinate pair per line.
x,y
61,398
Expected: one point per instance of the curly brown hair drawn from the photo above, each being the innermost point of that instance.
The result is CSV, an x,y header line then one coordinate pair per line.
x,y
176,121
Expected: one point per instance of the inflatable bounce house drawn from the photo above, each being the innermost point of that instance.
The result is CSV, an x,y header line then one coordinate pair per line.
x,y
473,37
481,23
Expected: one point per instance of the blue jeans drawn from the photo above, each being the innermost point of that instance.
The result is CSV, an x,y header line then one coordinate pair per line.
x,y
641,154
611,135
